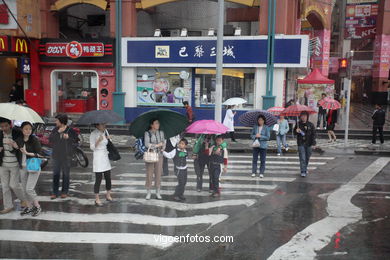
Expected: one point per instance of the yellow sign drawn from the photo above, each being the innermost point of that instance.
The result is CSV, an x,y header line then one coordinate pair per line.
x,y
21,46
2,45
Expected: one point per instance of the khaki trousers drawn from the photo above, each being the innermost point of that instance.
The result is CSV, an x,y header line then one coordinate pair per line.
x,y
154,171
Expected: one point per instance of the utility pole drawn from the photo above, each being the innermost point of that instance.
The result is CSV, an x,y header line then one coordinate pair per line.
x,y
269,99
118,95
219,71
348,80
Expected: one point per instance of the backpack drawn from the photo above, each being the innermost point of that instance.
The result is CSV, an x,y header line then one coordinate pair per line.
x,y
140,148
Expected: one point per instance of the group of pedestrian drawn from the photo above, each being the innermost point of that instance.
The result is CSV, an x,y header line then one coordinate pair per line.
x,y
18,147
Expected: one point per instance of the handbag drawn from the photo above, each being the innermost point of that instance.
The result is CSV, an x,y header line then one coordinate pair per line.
x,y
256,144
151,156
33,164
113,153
276,128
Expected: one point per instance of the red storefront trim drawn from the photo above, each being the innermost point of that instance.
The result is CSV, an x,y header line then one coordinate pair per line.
x,y
81,64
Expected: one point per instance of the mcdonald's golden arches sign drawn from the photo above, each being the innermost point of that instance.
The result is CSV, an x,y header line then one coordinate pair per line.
x,y
3,43
20,45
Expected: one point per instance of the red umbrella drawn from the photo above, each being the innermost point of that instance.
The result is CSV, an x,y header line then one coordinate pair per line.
x,y
296,110
276,110
329,103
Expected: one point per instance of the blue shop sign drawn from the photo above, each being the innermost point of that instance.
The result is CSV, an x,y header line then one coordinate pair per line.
x,y
250,51
25,66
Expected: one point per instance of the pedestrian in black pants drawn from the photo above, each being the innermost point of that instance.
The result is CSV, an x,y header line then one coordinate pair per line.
x,y
201,160
379,118
179,156
62,139
170,146
321,114
218,159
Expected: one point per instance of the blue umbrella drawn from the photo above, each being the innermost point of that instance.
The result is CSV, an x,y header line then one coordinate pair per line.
x,y
99,117
250,118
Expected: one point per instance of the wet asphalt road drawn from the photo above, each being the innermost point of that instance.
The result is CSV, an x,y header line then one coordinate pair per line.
x,y
261,215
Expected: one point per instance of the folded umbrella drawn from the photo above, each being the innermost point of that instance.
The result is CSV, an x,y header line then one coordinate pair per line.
x,y
207,127
21,113
171,123
329,103
99,117
250,118
296,110
234,101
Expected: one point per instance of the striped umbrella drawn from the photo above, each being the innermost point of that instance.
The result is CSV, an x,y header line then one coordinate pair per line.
x,y
275,110
296,110
250,118
329,103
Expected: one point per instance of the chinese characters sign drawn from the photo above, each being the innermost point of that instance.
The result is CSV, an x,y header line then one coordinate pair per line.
x,y
72,49
290,51
360,21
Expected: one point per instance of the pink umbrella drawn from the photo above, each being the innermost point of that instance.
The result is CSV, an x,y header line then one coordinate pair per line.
x,y
296,110
329,103
211,127
275,110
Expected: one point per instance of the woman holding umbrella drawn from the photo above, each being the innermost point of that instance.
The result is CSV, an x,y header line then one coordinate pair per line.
x,y
229,122
260,136
98,141
101,164
154,139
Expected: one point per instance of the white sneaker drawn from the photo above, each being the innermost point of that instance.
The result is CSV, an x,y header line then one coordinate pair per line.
x,y
318,128
148,194
253,174
279,154
261,175
286,148
158,195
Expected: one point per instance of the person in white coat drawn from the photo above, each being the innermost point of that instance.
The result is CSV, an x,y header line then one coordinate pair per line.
x,y
229,122
101,164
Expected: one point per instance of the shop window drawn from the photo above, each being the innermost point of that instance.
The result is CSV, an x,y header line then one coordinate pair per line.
x,y
76,91
163,86
236,83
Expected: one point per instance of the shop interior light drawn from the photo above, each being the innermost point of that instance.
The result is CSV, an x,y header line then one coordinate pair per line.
x,y
157,33
211,32
184,32
237,31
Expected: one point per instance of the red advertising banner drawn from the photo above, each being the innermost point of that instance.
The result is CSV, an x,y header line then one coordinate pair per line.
x,y
73,49
360,22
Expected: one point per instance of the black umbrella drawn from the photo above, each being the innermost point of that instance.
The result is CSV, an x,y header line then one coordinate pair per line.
x,y
99,117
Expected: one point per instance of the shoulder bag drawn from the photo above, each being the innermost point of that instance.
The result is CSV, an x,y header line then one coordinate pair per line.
x,y
113,153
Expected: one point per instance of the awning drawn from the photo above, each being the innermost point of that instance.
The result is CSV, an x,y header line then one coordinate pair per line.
x,y
315,77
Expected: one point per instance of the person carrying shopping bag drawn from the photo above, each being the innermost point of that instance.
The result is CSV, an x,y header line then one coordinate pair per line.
x,y
28,157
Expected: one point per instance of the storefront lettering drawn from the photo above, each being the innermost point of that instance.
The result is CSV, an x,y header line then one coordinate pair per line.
x,y
73,49
56,50
199,51
213,53
183,52
228,51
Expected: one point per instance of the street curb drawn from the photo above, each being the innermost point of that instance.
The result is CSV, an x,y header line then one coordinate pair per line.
x,y
372,152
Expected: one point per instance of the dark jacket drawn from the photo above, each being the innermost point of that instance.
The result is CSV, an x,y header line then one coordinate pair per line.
x,y
32,146
309,139
15,135
334,116
62,148
379,117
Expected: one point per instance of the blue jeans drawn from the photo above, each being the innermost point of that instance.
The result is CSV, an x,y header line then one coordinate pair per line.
x,y
58,167
281,139
215,170
263,153
304,157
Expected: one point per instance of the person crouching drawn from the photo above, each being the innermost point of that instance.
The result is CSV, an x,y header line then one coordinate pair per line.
x,y
218,157
179,156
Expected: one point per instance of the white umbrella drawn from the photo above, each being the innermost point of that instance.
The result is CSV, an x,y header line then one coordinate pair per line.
x,y
234,101
20,113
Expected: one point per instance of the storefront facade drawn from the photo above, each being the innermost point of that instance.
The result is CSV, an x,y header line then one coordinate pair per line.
x,y
15,65
77,76
164,72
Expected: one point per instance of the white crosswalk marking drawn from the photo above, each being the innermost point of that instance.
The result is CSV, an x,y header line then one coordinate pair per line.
x,y
238,190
